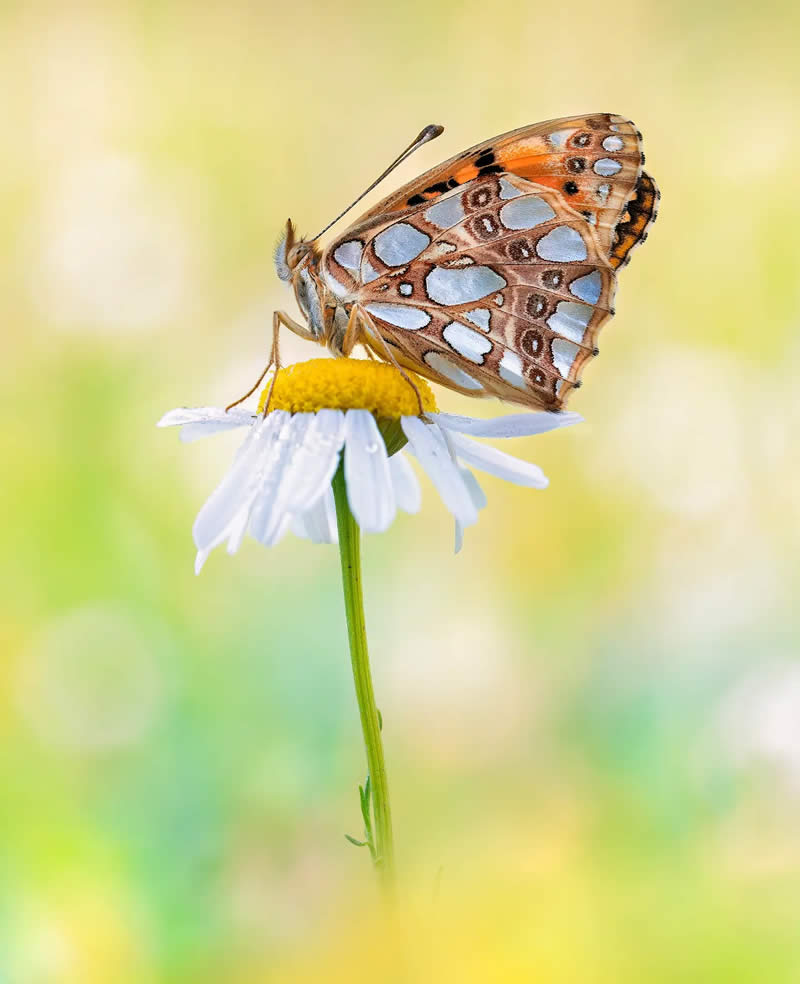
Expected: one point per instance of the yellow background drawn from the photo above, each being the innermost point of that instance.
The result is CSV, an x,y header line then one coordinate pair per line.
x,y
591,714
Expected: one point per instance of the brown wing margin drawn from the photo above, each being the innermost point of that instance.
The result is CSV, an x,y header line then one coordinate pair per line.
x,y
637,216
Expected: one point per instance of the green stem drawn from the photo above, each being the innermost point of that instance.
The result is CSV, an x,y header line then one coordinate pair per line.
x,y
350,554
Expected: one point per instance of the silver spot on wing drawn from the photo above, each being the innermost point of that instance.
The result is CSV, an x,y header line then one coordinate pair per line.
x,y
588,288
399,243
564,353
570,319
469,344
447,368
446,213
562,244
525,213
401,315
348,255
460,286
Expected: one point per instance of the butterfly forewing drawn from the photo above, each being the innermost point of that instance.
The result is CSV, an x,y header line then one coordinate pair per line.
x,y
494,272
593,162
637,216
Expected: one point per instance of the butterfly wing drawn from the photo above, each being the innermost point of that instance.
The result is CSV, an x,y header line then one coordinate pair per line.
x,y
494,289
494,272
637,217
593,162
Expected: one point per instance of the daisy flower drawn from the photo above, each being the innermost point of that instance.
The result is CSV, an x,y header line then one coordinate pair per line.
x,y
366,415
328,460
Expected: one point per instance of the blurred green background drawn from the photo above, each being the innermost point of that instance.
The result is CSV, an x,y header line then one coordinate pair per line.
x,y
592,714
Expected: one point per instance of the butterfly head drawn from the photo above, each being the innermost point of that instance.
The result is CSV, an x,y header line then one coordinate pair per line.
x,y
291,254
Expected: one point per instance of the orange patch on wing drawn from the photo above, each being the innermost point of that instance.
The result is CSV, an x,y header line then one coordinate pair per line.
x,y
639,213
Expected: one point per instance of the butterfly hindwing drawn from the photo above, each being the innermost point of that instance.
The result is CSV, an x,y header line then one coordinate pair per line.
x,y
496,288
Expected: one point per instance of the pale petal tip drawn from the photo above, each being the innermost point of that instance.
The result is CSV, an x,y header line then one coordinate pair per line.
x,y
199,561
172,417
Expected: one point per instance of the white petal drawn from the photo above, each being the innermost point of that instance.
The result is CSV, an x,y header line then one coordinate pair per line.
x,y
318,523
315,464
479,499
271,502
278,533
366,471
499,463
407,492
200,559
298,527
474,486
237,530
427,443
197,422
240,485
512,425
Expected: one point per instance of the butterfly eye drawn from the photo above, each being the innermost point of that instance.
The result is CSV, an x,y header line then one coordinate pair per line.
x,y
297,254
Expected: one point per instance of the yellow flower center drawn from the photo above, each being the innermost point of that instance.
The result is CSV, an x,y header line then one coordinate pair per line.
x,y
348,384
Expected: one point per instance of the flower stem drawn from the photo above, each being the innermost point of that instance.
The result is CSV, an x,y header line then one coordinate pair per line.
x,y
376,789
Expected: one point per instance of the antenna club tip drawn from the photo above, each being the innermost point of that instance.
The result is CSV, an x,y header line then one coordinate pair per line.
x,y
431,131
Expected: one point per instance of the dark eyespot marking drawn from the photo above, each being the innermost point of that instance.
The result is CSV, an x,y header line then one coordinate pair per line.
x,y
571,188
531,343
520,250
437,189
486,158
415,200
581,140
576,164
484,227
536,305
491,169
539,378
552,279
480,198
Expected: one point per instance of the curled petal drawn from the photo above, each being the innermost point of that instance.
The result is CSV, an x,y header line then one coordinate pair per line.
x,y
512,425
498,463
479,499
427,443
197,422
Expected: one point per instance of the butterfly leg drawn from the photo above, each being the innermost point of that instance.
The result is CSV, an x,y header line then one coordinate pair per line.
x,y
278,318
364,321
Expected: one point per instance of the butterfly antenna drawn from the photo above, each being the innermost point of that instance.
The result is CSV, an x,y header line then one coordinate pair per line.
x,y
431,132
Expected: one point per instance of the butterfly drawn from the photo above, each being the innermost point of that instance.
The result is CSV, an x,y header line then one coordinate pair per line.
x,y
493,272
